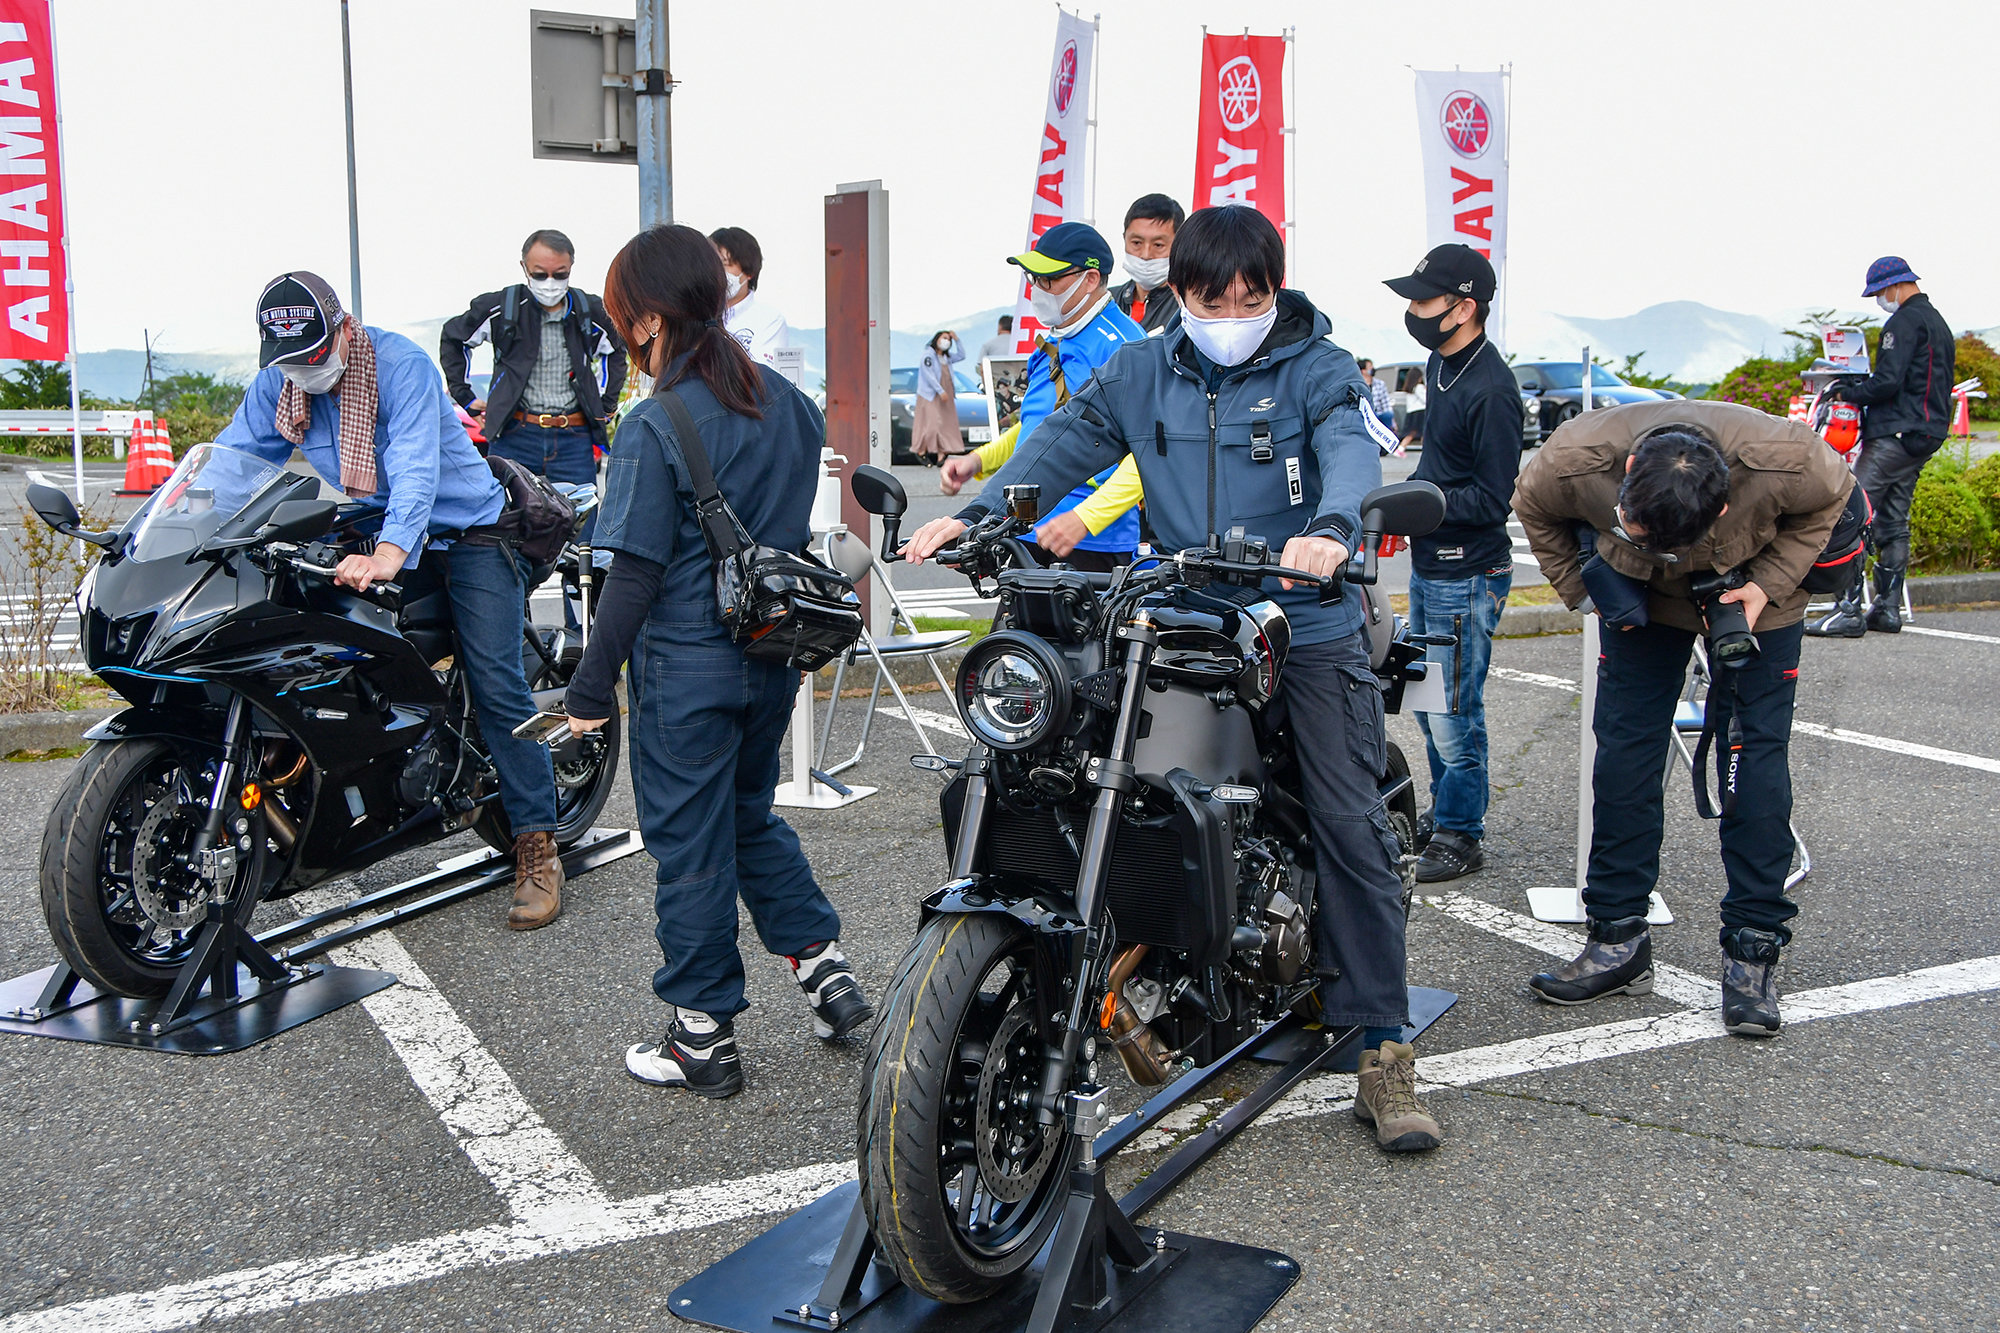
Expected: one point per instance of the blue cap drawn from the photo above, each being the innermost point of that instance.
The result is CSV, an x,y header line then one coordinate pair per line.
x,y
1064,247
1886,272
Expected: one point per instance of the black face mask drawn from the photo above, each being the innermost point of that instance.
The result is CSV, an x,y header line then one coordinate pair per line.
x,y
1426,331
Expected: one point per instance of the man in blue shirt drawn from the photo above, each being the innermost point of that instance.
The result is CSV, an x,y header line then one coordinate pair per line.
x,y
368,410
1067,270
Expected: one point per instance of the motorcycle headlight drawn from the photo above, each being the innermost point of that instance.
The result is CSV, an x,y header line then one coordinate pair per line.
x,y
1013,690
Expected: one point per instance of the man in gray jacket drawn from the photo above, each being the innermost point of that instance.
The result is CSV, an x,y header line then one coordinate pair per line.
x,y
1246,415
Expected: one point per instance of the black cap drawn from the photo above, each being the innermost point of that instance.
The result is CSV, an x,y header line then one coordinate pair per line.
x,y
1449,270
296,317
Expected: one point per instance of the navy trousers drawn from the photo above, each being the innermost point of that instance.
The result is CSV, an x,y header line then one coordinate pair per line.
x,y
707,724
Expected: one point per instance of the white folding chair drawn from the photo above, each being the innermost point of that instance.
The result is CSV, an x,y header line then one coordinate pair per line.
x,y
851,556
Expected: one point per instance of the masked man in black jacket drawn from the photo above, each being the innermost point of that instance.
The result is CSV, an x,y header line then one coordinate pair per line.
x,y
1906,410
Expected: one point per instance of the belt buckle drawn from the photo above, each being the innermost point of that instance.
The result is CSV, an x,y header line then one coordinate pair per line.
x,y
547,420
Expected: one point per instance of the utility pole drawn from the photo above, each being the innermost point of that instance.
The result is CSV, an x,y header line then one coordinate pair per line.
x,y
353,204
653,89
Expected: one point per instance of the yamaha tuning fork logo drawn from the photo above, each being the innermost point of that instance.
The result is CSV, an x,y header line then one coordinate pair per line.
x,y
1239,94
1467,124
1065,85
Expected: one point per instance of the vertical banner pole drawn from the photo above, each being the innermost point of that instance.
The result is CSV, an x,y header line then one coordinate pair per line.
x,y
1506,165
654,113
1090,121
69,272
353,200
1291,137
1586,378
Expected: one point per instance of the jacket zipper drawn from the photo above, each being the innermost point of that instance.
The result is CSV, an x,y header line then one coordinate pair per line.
x,y
1211,469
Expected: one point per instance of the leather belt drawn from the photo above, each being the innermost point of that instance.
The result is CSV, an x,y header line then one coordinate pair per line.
x,y
551,420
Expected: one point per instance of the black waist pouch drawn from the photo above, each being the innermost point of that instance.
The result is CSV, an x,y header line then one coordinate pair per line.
x,y
1619,598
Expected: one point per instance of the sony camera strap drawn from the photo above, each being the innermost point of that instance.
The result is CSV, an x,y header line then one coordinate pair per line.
x,y
1729,763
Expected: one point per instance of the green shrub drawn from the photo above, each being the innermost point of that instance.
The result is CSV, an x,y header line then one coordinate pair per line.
x,y
1761,383
1975,357
1983,480
1950,527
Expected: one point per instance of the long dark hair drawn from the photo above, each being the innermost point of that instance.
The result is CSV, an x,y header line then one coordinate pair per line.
x,y
674,272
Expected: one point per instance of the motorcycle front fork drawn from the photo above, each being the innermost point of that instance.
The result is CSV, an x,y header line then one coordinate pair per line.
x,y
1114,777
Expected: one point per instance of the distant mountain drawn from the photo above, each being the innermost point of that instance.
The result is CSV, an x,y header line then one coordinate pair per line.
x,y
1684,339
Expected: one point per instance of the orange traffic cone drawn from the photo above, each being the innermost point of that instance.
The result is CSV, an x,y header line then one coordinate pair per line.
x,y
1961,421
150,460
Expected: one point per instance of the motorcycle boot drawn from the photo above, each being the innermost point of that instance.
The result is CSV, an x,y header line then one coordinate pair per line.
x,y
1750,982
1386,1097
1846,621
1885,613
1448,855
838,1006
697,1053
1616,960
538,882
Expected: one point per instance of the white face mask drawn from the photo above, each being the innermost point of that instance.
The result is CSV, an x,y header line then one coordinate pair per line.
x,y
1148,273
1887,304
1229,342
1048,306
319,378
548,291
735,285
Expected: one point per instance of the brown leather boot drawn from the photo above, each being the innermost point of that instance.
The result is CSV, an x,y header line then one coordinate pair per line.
x,y
538,882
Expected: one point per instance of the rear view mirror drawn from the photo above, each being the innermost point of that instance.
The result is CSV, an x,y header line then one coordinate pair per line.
x,y
1406,508
56,509
1531,386
879,492
298,521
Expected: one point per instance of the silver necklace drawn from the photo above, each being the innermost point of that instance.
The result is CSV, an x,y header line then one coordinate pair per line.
x,y
1476,344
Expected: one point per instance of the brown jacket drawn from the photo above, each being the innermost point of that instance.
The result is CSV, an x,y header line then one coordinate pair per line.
x,y
1786,488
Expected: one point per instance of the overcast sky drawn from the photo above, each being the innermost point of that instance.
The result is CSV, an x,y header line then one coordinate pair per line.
x,y
1751,156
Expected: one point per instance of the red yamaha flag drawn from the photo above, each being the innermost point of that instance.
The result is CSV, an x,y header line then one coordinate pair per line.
x,y
33,288
1240,150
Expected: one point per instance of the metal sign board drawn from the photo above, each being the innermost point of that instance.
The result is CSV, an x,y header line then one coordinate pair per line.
x,y
581,68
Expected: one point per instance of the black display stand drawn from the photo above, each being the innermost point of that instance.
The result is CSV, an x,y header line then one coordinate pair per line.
x,y
235,991
1098,1273
1427,1006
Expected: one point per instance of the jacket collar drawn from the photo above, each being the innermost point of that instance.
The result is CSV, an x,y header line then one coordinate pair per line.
x,y
1298,325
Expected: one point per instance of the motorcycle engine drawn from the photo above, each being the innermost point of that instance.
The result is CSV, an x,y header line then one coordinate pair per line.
x,y
418,782
1273,933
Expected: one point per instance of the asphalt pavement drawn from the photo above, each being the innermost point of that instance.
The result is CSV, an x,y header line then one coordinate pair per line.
x,y
465,1151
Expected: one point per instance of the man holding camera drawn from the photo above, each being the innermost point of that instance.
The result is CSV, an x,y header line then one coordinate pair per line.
x,y
1705,518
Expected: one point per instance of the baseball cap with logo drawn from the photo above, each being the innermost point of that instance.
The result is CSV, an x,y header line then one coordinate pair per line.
x,y
296,317
1064,247
1448,270
1885,273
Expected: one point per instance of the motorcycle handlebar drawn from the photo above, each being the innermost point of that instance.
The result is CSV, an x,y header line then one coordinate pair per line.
x,y
327,572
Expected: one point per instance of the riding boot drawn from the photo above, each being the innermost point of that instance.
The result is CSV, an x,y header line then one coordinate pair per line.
x,y
538,882
1846,621
1750,982
1885,613
1617,960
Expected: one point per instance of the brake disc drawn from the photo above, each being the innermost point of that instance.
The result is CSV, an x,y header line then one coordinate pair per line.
x,y
160,870
1013,1151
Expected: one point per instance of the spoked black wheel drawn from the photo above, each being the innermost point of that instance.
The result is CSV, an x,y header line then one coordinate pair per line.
x,y
1402,813
121,896
960,1183
586,770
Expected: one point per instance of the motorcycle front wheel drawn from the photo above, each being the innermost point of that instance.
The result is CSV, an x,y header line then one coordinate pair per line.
x,y
960,1184
121,901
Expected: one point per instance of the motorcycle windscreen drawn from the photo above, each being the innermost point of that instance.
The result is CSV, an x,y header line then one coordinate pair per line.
x,y
215,492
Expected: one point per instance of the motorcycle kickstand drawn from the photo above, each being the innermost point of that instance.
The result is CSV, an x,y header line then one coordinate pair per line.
x,y
1095,1244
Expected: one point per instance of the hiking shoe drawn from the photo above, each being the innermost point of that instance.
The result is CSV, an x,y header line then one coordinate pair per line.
x,y
1448,855
1750,982
697,1053
538,882
838,1006
1617,960
1387,1099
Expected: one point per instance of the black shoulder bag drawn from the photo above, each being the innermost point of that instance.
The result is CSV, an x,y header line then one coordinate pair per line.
x,y
779,606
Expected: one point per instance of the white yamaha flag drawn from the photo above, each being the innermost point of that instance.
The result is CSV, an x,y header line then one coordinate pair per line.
x,y
1462,127
1058,195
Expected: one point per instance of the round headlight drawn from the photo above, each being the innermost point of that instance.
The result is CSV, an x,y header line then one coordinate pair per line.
x,y
1013,690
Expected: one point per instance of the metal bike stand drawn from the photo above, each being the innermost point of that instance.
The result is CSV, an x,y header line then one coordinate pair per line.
x,y
234,991
1098,1273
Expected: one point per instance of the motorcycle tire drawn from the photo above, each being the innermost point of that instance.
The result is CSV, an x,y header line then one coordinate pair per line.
x,y
580,796
88,881
956,1040
1402,813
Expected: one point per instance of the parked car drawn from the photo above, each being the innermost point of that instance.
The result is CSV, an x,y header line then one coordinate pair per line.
x,y
1401,374
1558,387
975,423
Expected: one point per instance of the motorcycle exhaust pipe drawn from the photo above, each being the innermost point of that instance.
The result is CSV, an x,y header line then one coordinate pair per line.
x,y
1140,1049
284,830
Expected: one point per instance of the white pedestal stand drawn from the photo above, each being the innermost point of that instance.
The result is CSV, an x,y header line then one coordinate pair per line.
x,y
1564,903
804,791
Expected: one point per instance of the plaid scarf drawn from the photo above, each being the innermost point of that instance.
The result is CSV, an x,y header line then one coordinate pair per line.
x,y
359,399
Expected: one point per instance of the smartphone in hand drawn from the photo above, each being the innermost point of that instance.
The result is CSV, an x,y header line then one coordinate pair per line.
x,y
545,729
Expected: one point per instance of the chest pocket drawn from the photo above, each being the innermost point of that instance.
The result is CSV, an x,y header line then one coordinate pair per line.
x,y
1262,472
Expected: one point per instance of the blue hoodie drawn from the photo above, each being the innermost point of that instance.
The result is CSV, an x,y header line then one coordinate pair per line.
x,y
1193,428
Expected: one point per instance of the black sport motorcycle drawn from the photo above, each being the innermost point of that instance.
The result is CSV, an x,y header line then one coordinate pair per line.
x,y
1131,872
281,729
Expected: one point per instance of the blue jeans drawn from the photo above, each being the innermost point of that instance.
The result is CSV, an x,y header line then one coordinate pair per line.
x,y
564,453
1455,742
707,723
488,597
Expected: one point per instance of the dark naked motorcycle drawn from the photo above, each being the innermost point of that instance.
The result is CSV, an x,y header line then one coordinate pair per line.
x,y
1131,873
281,729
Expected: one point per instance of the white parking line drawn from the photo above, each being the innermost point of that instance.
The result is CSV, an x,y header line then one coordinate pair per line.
x,y
1676,984
291,1283
1842,734
1950,634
